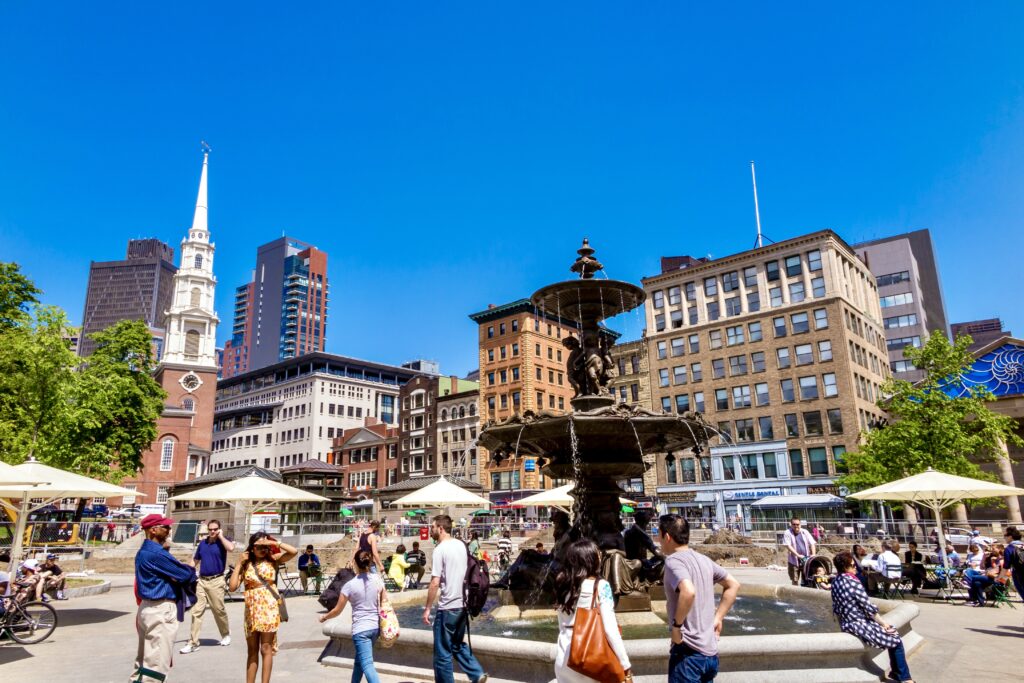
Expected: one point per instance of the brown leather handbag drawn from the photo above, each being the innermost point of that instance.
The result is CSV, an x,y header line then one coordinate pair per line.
x,y
590,653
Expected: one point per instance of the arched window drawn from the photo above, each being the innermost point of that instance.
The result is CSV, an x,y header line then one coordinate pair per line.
x,y
195,298
444,414
462,411
199,260
472,409
188,404
167,455
192,345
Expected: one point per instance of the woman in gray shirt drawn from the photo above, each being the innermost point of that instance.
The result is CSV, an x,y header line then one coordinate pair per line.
x,y
364,593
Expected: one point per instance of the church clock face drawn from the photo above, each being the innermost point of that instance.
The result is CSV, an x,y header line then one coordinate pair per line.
x,y
190,382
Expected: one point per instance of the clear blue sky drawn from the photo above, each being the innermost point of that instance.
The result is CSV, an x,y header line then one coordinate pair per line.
x,y
452,155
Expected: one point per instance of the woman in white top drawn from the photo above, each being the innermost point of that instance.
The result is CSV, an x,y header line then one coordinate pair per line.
x,y
575,585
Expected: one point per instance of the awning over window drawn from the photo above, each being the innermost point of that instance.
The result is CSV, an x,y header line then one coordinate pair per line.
x,y
808,500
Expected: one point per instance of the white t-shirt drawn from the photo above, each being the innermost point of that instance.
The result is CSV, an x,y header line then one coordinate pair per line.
x,y
449,563
5,578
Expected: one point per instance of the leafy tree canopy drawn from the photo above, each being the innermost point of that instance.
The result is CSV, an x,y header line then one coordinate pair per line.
x,y
17,294
928,428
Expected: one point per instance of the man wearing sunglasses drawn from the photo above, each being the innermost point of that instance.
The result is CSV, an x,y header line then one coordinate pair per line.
x,y
158,580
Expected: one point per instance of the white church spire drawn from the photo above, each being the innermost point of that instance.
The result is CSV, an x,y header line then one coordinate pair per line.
x,y
200,226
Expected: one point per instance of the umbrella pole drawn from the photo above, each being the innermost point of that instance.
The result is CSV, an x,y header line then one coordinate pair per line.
x,y
947,589
19,534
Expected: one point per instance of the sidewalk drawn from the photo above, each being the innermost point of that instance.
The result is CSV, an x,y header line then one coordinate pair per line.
x,y
95,642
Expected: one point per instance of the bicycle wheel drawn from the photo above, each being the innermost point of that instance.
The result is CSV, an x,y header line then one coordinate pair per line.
x,y
32,622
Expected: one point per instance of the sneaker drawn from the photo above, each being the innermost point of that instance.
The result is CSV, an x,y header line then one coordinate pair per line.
x,y
482,679
225,641
46,598
188,648
61,596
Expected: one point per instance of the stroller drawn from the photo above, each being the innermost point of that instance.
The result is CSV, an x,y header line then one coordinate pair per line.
x,y
808,576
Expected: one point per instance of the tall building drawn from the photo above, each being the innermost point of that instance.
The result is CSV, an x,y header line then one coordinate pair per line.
x,y
420,439
910,293
782,349
982,332
282,312
136,288
187,370
522,367
458,427
294,410
631,383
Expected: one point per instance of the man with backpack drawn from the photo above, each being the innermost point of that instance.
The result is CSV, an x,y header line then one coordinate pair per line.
x,y
450,566
1013,559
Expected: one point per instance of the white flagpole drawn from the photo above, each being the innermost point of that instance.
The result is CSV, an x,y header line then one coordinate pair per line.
x,y
757,211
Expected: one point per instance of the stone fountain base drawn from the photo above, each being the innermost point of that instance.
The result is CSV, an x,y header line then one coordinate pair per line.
x,y
811,658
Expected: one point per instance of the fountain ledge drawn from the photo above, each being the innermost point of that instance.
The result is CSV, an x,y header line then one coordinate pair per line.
x,y
812,658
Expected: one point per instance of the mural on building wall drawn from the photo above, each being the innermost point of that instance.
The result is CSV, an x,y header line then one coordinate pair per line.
x,y
1001,371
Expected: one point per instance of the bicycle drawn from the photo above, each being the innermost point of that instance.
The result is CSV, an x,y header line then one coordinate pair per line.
x,y
29,622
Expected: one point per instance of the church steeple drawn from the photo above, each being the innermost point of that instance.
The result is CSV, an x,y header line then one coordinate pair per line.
x,y
191,321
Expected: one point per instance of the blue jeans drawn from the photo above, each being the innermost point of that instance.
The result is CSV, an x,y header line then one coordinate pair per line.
x,y
449,632
898,662
978,586
362,665
686,665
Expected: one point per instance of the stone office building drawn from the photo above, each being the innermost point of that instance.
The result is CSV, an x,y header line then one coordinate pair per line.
x,y
458,426
782,348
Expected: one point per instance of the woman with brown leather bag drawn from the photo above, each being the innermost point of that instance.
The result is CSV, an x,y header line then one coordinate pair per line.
x,y
590,647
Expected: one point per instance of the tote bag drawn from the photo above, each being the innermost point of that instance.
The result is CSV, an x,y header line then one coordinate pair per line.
x,y
387,621
590,654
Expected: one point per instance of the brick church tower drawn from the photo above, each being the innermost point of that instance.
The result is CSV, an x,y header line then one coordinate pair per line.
x,y
187,371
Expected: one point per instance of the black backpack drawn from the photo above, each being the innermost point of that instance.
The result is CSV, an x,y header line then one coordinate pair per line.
x,y
476,586
1017,558
330,595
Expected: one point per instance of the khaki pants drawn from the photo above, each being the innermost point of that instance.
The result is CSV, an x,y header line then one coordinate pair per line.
x,y
157,624
209,595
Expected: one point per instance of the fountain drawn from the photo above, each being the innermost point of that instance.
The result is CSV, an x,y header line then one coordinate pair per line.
x,y
598,444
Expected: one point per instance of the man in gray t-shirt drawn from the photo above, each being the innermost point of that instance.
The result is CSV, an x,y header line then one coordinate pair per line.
x,y
690,580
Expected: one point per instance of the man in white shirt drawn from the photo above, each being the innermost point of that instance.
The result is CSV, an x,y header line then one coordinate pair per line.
x,y
800,545
447,576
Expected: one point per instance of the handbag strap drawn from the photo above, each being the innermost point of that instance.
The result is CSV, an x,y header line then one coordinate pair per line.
x,y
272,589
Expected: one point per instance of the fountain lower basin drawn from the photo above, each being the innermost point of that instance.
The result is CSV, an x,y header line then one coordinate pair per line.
x,y
814,656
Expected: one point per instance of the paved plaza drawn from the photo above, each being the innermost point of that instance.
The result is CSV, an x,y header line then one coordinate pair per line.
x,y
95,643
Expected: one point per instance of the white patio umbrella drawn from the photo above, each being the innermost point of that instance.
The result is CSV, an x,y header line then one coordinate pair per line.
x,y
11,476
251,494
559,498
50,484
937,490
440,493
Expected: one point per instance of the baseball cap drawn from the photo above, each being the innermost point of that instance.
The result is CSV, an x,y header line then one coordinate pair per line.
x,y
153,520
51,556
30,564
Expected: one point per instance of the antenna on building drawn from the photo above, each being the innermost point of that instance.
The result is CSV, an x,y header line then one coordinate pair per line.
x,y
207,149
757,211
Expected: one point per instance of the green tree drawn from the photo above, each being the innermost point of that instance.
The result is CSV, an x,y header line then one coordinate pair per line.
x,y
17,295
116,403
928,428
37,380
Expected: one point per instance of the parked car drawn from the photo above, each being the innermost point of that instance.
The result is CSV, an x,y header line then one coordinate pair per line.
x,y
128,512
95,511
961,537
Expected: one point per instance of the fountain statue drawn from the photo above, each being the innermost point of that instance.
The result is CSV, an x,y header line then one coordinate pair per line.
x,y
600,442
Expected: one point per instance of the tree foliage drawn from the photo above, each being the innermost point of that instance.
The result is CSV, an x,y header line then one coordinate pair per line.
x,y
96,416
928,428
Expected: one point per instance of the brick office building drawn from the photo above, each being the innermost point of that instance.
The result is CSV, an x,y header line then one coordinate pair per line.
x,y
522,368
782,348
368,457
420,437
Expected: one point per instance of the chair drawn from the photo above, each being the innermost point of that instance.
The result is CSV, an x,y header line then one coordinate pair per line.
x,y
389,584
1001,595
289,580
893,588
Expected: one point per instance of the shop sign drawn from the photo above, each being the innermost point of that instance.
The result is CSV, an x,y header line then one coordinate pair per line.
x,y
752,494
529,465
678,497
833,489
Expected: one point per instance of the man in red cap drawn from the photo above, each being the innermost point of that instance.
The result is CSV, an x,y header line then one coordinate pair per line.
x,y
159,580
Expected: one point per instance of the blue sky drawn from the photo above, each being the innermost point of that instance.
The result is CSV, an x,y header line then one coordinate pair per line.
x,y
451,155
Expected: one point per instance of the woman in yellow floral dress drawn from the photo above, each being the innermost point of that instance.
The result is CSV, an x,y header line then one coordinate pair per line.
x,y
257,571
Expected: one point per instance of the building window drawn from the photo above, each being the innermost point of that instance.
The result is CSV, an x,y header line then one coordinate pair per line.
x,y
754,331
659,322
679,374
682,403
188,404
730,281
818,287
710,286
658,299
715,339
689,471
804,354
838,452
678,346
741,397
691,291
666,404
677,319
800,324
796,463
713,313
775,296
192,345
663,377
745,433
808,388
199,261
753,302
818,459
902,366
792,425
793,268
896,299
734,335
900,321
829,382
694,341
903,342
782,354
737,365
698,401
718,368
748,465
820,319
761,393
195,297
515,325
662,350
161,495
691,315
835,421
765,428
674,296
796,292
771,270
733,306
824,350
814,260
757,361
812,423
787,390
780,326
490,332
634,391
893,278
128,499
167,455
696,374
670,470
721,399
729,464
750,276
515,349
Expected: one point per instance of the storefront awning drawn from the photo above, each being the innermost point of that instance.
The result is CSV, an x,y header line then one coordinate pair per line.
x,y
809,500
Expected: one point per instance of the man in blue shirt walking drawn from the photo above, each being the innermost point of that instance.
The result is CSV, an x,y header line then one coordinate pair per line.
x,y
159,580
211,557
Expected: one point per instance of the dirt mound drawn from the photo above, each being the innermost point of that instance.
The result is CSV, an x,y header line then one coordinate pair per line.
x,y
729,555
347,542
728,537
